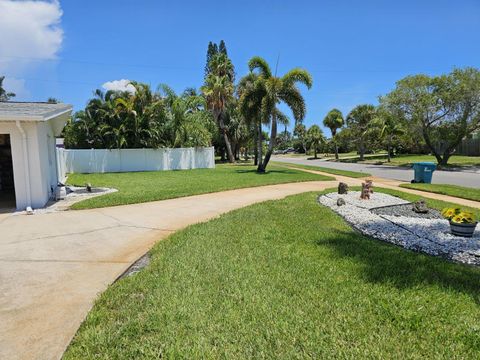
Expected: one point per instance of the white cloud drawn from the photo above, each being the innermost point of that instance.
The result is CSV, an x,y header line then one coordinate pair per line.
x,y
30,34
119,85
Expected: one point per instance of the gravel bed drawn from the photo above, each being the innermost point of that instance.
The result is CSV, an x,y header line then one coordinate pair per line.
x,y
406,210
399,227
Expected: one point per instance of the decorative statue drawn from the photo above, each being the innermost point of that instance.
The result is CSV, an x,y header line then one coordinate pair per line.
x,y
340,202
420,207
342,188
367,189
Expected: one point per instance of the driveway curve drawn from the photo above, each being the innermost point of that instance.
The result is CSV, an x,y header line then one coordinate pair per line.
x,y
53,265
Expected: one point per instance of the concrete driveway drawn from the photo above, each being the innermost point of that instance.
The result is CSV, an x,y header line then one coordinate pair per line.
x,y
53,265
469,178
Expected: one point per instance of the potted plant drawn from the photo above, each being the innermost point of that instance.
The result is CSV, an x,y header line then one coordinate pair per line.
x,y
462,223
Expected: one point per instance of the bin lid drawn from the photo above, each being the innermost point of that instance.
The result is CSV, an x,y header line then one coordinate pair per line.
x,y
424,163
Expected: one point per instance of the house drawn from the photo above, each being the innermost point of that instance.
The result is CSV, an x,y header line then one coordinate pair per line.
x,y
28,166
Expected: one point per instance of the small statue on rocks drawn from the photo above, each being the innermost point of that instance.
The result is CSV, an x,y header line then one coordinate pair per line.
x,y
420,207
342,188
340,202
367,189
89,187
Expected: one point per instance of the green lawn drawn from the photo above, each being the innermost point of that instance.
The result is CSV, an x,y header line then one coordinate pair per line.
x,y
296,282
137,187
407,160
353,174
452,190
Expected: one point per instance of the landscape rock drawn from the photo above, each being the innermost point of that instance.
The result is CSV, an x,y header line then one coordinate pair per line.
x,y
342,188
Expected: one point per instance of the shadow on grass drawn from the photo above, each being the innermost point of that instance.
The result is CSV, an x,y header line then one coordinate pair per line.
x,y
290,172
386,263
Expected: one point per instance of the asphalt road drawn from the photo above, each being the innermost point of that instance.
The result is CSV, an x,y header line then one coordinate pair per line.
x,y
468,178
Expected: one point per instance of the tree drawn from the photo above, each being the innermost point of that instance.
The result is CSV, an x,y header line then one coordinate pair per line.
x,y
270,90
212,50
358,120
315,138
388,127
218,91
4,95
52,100
334,121
443,108
300,132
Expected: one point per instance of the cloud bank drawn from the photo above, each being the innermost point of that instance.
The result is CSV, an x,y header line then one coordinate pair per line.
x,y
30,33
119,85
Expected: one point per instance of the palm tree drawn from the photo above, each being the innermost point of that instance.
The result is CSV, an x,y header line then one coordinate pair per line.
x,y
315,138
359,120
388,127
334,121
218,91
268,91
4,95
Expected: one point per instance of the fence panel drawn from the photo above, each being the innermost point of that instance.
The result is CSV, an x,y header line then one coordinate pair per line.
x,y
126,160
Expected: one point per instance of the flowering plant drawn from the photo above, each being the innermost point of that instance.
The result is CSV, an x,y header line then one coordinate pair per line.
x,y
458,216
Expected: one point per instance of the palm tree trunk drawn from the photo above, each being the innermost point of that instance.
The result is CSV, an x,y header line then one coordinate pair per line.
x,y
336,151
259,147
389,157
271,144
223,130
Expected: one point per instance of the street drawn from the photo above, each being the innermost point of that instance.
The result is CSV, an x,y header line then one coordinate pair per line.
x,y
461,177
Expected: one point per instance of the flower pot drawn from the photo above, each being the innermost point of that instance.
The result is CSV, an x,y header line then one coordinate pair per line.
x,y
460,229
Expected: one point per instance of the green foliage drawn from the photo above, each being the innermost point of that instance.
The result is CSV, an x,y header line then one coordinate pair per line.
x,y
444,109
4,95
141,120
358,121
315,139
445,189
334,121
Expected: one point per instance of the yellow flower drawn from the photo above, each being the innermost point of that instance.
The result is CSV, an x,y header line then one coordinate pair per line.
x,y
457,219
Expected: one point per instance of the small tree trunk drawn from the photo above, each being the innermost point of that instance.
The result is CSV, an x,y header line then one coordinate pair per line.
x,y
315,151
225,138
389,156
336,151
362,150
260,149
255,147
271,144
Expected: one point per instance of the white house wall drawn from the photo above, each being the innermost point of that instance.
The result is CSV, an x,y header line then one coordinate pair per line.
x,y
42,172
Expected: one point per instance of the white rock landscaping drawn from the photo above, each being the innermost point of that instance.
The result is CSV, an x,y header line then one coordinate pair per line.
x,y
431,236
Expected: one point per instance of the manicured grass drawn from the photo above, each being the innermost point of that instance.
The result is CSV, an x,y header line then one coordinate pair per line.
x,y
137,187
353,174
407,160
285,279
452,190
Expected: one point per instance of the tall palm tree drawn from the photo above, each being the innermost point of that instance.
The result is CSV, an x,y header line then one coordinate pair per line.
x,y
218,90
359,120
334,121
269,91
315,138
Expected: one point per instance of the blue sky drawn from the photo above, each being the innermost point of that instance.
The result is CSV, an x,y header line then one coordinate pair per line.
x,y
355,50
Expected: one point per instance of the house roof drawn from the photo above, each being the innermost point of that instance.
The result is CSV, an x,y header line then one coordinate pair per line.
x,y
32,111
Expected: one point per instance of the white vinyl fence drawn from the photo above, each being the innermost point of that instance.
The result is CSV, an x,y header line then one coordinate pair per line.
x,y
125,160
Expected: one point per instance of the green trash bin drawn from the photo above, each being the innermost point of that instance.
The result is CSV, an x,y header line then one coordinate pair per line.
x,y
423,172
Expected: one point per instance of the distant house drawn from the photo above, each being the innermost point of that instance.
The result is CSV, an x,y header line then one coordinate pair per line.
x,y
28,165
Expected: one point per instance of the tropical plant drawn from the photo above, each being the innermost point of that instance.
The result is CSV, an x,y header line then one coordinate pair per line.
x,y
334,121
315,138
444,109
218,91
388,127
358,122
300,132
268,91
4,95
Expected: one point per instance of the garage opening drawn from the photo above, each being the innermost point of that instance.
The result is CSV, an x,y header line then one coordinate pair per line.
x,y
7,186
